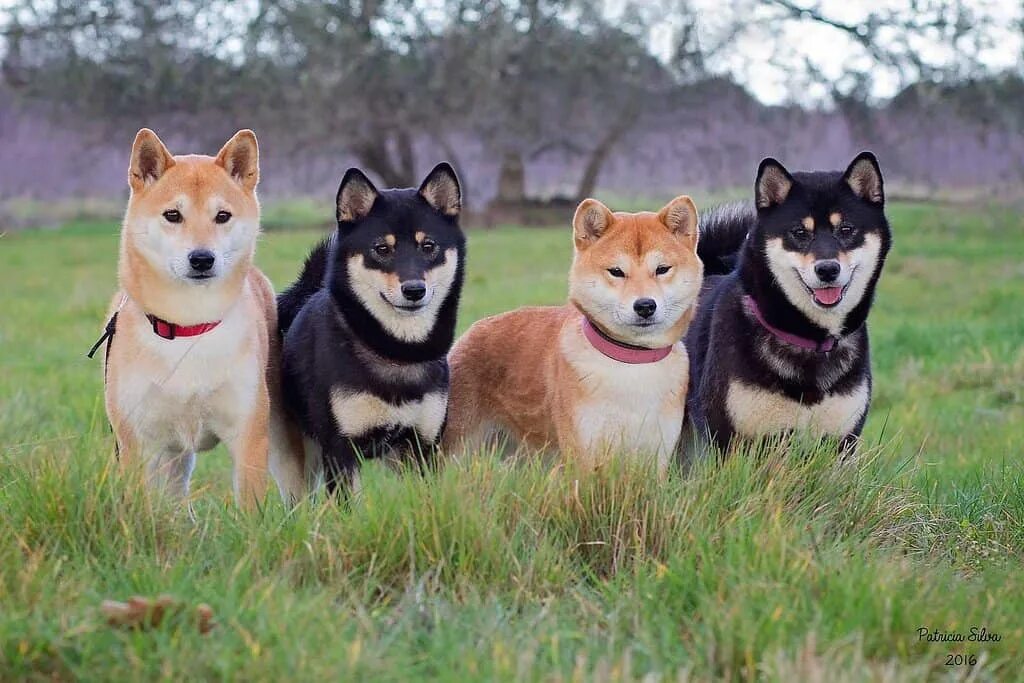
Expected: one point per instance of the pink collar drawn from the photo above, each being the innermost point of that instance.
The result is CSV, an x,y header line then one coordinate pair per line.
x,y
167,330
624,353
795,340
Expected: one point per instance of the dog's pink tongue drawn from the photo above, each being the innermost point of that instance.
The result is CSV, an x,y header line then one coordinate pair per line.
x,y
828,295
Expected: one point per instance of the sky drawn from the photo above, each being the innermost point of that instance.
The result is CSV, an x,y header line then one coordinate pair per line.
x,y
776,80
830,50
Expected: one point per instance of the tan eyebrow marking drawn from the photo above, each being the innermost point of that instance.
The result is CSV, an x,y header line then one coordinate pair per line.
x,y
390,239
420,236
835,218
808,223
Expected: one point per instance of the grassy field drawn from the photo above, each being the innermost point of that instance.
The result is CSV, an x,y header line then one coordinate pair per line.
x,y
779,567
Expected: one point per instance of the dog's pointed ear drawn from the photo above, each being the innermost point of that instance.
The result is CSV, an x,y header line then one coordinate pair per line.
x,y
150,160
356,196
772,185
442,191
865,178
590,221
240,157
680,216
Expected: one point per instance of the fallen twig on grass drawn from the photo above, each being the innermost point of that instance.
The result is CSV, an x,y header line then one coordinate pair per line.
x,y
143,613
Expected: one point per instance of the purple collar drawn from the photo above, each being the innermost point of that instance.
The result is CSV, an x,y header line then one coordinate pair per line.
x,y
624,353
795,340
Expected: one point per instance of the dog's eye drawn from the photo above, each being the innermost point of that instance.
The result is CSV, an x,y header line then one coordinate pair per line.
x,y
222,217
616,272
172,216
846,231
661,270
428,247
382,250
799,234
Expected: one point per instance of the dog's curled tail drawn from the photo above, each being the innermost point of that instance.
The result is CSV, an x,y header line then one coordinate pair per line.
x,y
311,279
722,232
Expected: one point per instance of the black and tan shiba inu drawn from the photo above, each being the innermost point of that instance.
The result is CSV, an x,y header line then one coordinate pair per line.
x,y
780,343
368,324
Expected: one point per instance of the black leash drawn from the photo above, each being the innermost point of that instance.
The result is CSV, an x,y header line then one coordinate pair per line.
x,y
108,337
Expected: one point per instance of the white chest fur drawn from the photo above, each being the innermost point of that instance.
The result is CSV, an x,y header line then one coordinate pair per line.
x,y
636,408
758,412
181,393
358,413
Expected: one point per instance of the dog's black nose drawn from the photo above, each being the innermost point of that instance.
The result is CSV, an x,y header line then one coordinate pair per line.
x,y
201,259
827,271
414,290
645,307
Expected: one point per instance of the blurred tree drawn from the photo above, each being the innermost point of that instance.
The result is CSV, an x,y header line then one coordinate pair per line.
x,y
372,78
550,77
914,41
346,74
526,80
124,60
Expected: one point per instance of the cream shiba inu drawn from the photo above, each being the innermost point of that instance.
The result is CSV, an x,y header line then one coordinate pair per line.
x,y
606,373
192,327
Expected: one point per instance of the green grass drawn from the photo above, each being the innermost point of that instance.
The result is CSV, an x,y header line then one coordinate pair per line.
x,y
776,565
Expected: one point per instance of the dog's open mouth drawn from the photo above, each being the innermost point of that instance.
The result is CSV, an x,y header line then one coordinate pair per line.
x,y
827,296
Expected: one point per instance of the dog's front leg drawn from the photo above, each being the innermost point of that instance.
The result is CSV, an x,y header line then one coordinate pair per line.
x,y
126,445
170,470
249,448
167,468
340,460
847,450
424,452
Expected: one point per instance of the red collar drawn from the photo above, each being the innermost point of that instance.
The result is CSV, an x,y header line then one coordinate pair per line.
x,y
801,342
167,330
624,353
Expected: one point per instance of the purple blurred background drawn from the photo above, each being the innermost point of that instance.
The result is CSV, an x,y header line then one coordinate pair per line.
x,y
531,101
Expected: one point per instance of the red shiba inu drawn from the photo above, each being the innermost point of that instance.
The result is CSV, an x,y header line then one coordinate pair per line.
x,y
189,363
608,370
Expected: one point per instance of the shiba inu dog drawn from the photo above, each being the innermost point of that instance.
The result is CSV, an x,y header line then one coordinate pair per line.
x,y
195,319
608,370
781,341
368,324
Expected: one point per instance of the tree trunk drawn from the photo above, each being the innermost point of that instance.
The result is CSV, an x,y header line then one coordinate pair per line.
x,y
599,154
406,159
511,179
374,153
